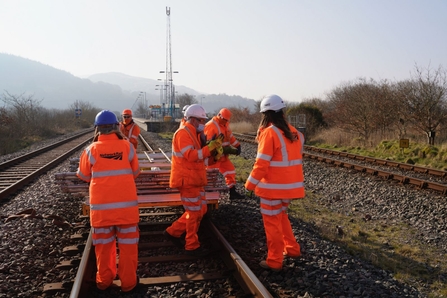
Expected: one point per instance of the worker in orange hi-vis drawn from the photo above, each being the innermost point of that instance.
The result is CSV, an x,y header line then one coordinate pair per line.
x,y
183,121
220,125
129,128
277,178
188,175
110,165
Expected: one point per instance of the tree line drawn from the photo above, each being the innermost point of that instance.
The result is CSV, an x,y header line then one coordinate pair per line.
x,y
23,121
414,108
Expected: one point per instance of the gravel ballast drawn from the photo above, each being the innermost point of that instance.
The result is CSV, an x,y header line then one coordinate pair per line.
x,y
32,243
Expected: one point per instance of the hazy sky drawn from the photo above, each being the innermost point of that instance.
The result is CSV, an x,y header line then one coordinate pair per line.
x,y
296,49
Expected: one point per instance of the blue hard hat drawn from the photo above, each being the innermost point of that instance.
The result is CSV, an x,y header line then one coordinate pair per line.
x,y
105,117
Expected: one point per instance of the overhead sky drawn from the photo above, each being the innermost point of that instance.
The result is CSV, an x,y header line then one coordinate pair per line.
x,y
294,48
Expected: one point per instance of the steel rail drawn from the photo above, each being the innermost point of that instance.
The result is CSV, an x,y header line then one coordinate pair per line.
x,y
384,162
84,279
420,183
21,179
242,272
85,266
27,156
404,179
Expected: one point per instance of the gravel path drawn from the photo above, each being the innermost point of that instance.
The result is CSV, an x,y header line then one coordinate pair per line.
x,y
32,245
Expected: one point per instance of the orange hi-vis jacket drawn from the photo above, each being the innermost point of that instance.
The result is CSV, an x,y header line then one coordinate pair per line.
x,y
131,131
278,169
188,159
214,128
111,166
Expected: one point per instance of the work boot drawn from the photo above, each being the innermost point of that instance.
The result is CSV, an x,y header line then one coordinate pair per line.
x,y
234,195
264,265
177,241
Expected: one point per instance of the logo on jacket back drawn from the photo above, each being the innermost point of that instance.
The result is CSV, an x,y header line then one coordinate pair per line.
x,y
116,155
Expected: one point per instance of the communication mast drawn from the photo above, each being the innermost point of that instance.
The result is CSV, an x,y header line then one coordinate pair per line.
x,y
170,89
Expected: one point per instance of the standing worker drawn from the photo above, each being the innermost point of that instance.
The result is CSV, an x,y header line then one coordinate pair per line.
x,y
188,175
129,128
277,178
201,134
110,165
220,124
183,120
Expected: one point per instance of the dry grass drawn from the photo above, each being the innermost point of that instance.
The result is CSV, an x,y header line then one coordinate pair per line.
x,y
389,246
243,127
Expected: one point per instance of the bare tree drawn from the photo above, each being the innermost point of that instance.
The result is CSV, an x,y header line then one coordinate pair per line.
x,y
402,91
384,108
87,110
353,108
24,110
186,99
427,102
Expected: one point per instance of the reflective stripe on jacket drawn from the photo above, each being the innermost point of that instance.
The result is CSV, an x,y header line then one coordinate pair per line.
x,y
278,169
188,159
131,131
214,128
111,166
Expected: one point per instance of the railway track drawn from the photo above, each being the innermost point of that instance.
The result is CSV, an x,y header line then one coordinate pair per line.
x,y
158,209
161,263
242,226
19,172
417,176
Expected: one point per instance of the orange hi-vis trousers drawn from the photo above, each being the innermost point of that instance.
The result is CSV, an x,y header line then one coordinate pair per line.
x,y
194,203
227,169
278,231
104,240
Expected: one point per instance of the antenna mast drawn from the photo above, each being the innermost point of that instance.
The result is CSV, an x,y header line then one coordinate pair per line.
x,y
170,92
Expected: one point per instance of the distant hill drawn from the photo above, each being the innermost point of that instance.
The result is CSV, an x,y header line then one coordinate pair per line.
x,y
58,89
211,102
114,91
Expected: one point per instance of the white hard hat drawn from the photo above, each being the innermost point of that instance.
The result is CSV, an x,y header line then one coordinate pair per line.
x,y
184,109
196,111
272,103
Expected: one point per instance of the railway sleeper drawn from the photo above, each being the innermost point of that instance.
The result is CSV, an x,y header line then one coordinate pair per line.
x,y
68,264
73,249
59,287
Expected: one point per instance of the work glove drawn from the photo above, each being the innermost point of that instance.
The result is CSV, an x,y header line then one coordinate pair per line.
x,y
229,150
219,153
239,149
248,193
217,142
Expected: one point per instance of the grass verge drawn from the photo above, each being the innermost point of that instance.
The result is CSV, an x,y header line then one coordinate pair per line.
x,y
391,246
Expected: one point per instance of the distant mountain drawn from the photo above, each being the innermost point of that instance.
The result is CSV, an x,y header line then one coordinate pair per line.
x,y
134,84
113,91
211,102
58,89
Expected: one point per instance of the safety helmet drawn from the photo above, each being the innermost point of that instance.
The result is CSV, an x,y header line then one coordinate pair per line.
x,y
272,103
127,112
196,111
225,114
105,117
184,109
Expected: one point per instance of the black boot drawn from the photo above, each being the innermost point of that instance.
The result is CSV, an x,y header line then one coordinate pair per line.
x,y
234,195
